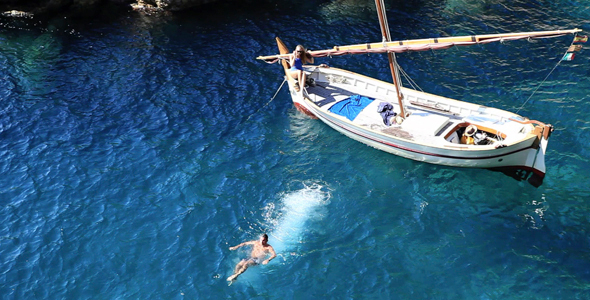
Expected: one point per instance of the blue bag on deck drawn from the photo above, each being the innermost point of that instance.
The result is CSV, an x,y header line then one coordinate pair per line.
x,y
351,107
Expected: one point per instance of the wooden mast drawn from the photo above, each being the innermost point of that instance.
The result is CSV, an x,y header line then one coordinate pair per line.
x,y
390,55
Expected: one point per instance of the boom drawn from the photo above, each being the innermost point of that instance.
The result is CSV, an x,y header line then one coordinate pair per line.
x,y
427,44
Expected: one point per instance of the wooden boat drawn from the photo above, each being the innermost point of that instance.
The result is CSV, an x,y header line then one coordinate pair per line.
x,y
426,127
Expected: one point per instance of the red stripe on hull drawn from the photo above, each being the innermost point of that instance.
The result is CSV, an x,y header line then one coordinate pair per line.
x,y
422,152
304,110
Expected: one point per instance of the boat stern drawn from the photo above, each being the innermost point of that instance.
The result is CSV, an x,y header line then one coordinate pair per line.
x,y
538,164
533,167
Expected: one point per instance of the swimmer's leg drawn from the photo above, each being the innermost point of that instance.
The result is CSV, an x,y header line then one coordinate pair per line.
x,y
244,266
238,268
239,265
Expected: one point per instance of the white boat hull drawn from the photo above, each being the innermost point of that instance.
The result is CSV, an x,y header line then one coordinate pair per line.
x,y
422,135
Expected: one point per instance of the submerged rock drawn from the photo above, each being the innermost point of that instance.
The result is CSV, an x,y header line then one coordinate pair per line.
x,y
17,14
142,6
172,5
28,8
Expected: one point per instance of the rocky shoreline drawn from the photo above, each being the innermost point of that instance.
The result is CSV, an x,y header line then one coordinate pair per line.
x,y
30,8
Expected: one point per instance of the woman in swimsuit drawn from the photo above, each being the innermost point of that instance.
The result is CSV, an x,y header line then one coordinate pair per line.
x,y
299,57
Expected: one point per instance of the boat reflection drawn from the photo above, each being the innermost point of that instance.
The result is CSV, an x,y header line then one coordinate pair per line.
x,y
520,174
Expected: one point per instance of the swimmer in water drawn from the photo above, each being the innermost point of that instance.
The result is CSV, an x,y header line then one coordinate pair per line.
x,y
260,249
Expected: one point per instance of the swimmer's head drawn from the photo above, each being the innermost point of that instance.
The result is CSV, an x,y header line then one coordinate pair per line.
x,y
264,238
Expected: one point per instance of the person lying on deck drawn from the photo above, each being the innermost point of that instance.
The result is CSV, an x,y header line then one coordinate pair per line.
x,y
299,57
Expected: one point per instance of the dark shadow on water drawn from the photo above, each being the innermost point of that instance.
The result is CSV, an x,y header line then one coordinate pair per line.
x,y
521,174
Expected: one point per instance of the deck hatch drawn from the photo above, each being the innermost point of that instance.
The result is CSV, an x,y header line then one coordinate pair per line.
x,y
444,128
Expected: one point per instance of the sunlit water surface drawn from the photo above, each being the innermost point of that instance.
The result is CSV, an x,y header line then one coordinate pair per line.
x,y
134,150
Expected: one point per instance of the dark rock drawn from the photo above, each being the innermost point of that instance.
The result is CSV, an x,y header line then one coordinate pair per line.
x,y
27,8
17,14
170,5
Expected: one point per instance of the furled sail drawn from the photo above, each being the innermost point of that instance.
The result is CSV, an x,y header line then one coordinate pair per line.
x,y
426,44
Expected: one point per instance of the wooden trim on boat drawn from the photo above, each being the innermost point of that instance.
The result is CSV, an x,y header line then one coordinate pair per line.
x,y
547,130
284,50
480,127
542,130
528,122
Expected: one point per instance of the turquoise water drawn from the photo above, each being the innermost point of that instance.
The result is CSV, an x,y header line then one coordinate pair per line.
x,y
134,150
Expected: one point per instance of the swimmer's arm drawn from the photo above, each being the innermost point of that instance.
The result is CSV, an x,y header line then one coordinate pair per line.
x,y
242,244
273,255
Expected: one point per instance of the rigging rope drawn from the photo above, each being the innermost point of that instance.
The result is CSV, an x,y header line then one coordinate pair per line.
x,y
540,84
386,24
412,83
265,105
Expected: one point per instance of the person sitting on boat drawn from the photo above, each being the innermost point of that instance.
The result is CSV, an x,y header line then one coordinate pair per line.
x,y
299,57
467,137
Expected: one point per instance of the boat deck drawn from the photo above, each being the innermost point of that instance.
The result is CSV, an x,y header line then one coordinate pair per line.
x,y
324,95
425,125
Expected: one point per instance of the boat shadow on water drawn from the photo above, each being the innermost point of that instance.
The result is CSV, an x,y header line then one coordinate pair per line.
x,y
519,174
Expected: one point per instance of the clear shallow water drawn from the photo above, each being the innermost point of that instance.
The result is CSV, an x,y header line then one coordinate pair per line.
x,y
133,153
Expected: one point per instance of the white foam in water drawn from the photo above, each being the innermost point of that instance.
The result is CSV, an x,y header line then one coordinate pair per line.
x,y
290,220
287,221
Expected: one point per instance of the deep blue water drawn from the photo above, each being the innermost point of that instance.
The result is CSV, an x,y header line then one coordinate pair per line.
x,y
134,150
